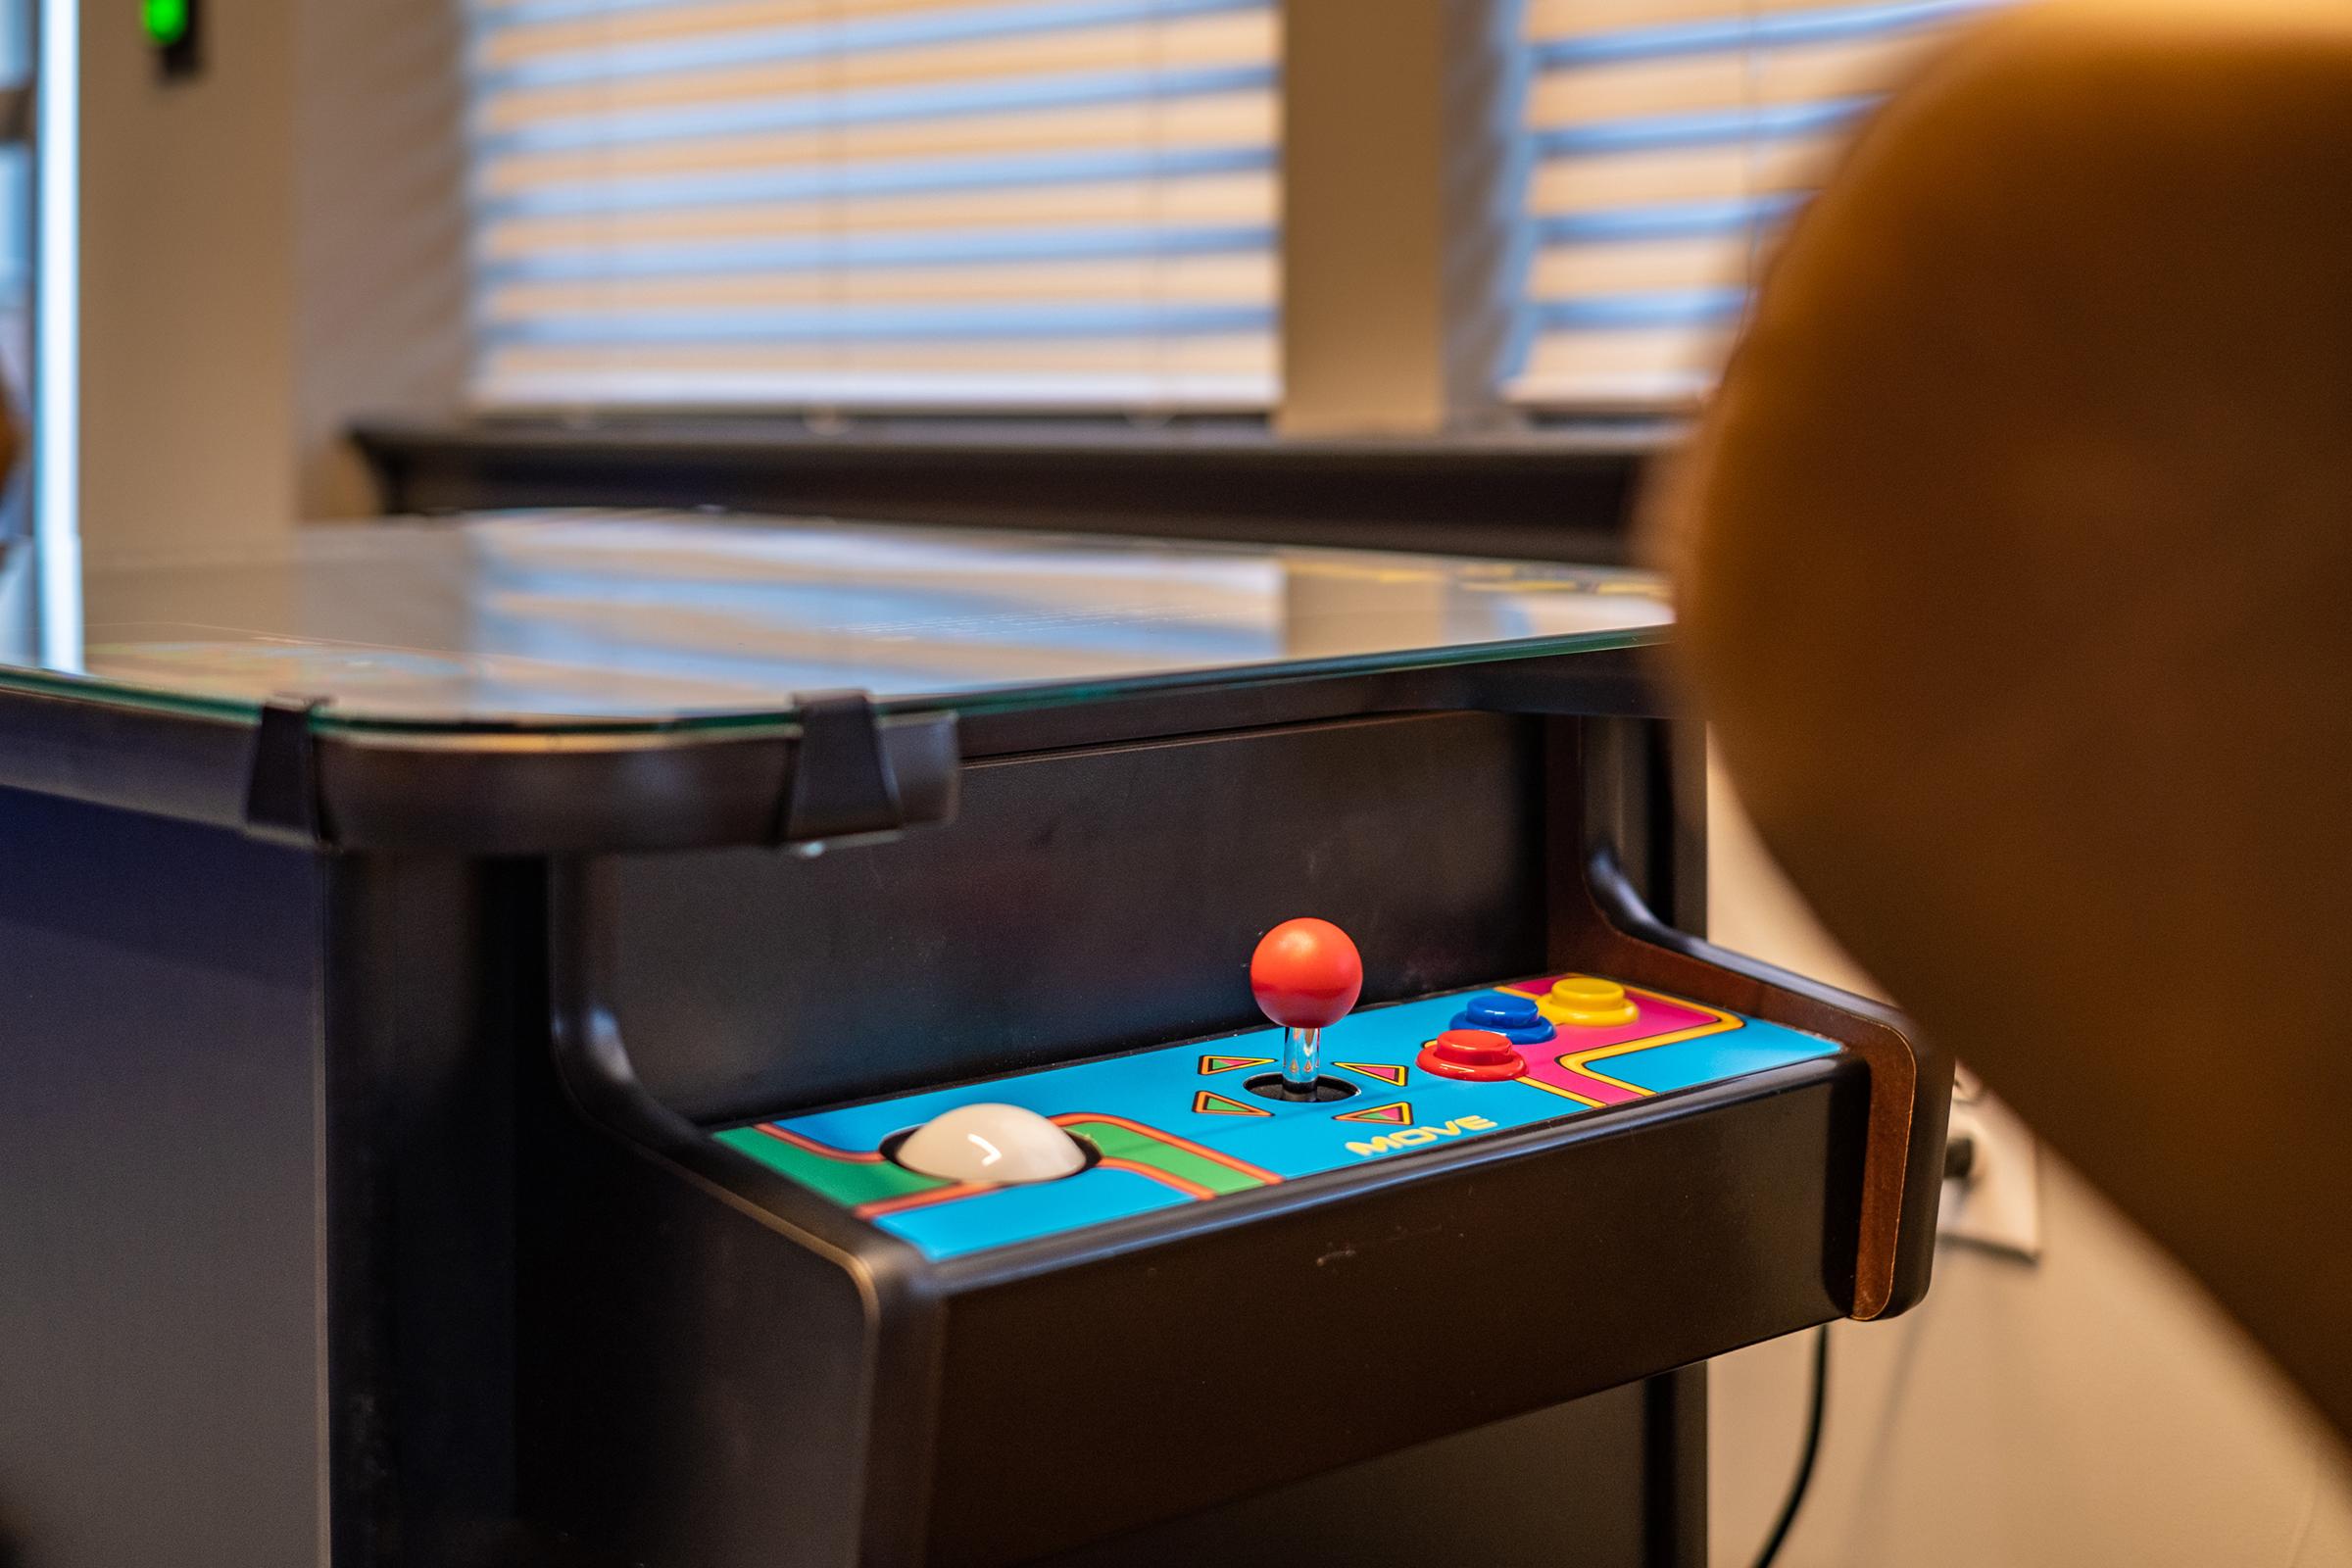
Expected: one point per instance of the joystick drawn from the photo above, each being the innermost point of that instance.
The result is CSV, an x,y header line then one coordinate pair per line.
x,y
1001,1145
1306,975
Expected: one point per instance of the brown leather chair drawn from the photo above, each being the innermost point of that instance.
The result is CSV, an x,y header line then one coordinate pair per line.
x,y
2015,566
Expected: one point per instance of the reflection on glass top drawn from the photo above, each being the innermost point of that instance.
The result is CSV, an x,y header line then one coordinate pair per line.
x,y
647,619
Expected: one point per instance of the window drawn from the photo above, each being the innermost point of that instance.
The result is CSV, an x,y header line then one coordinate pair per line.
x,y
1075,205
1667,139
894,203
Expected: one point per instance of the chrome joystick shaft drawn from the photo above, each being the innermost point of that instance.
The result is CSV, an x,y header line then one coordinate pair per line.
x,y
1302,1050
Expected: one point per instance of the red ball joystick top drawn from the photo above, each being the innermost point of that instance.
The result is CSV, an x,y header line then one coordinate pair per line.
x,y
1307,974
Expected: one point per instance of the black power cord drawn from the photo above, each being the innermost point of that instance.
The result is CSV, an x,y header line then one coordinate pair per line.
x,y
1804,1465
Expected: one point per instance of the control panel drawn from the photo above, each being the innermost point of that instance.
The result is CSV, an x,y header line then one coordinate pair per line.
x,y
1011,1160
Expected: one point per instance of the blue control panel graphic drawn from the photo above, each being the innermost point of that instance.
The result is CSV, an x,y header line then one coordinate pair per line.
x,y
1182,1124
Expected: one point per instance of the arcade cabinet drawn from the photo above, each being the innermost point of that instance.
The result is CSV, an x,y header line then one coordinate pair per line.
x,y
685,1041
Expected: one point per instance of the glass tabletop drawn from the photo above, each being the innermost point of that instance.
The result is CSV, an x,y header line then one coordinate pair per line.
x,y
627,620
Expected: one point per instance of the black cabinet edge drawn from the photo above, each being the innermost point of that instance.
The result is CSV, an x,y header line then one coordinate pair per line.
x,y
299,777
289,780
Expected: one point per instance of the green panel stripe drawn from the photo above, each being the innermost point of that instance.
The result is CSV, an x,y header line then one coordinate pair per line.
x,y
1125,1143
848,1182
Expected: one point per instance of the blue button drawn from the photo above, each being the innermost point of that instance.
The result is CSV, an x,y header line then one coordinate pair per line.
x,y
1515,1018
1494,1009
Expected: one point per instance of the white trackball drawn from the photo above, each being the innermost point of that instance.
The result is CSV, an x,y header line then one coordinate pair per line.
x,y
992,1143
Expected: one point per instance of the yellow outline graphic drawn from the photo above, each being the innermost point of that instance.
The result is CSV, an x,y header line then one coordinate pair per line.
x,y
1578,1061
1231,1063
1380,1116
1386,1072
1209,1103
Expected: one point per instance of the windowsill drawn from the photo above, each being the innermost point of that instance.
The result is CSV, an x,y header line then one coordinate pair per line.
x,y
1556,492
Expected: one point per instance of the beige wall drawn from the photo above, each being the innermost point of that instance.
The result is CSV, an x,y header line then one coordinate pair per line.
x,y
268,250
2091,1409
187,250
1397,212
1363,339
381,316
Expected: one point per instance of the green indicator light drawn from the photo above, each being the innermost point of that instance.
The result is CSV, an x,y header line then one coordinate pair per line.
x,y
166,20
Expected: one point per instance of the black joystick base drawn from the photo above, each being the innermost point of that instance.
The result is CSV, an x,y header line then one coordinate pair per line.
x,y
1273,1086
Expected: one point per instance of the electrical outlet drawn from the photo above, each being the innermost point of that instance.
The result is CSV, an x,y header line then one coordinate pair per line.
x,y
1996,1203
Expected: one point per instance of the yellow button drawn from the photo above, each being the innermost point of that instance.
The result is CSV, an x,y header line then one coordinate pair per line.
x,y
1583,1002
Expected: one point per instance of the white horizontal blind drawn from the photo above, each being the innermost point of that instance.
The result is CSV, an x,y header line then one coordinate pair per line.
x,y
875,203
1670,138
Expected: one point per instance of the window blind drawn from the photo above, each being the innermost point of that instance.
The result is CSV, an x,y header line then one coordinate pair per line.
x,y
875,203
1668,140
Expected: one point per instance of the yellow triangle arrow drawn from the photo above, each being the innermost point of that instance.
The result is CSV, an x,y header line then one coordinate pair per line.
x,y
1217,1064
1395,1115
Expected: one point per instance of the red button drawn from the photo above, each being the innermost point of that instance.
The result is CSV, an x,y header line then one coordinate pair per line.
x,y
1479,1054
